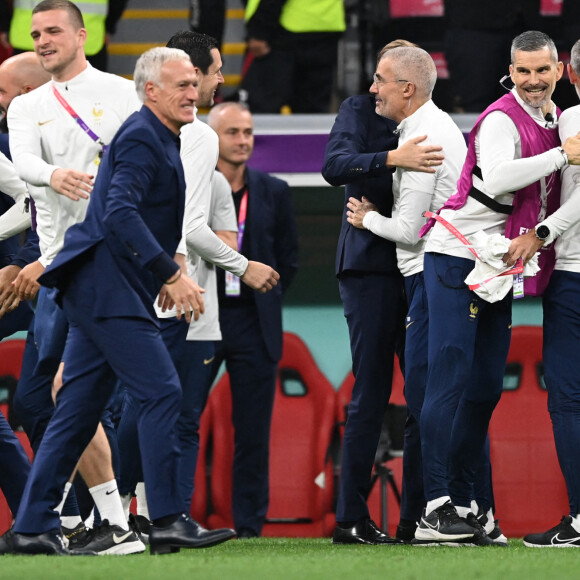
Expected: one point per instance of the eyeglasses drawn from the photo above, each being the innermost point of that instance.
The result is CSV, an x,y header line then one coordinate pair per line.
x,y
377,80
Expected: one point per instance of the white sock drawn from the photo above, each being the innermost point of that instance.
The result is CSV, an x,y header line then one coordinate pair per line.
x,y
90,521
59,507
70,522
490,526
142,507
126,502
108,501
474,507
435,503
576,523
463,511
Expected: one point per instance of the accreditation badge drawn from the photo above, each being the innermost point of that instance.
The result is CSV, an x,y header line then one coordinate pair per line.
x,y
232,284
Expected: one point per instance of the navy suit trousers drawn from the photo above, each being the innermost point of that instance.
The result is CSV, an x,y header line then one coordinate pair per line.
x,y
33,403
253,386
373,307
98,351
14,466
562,368
193,362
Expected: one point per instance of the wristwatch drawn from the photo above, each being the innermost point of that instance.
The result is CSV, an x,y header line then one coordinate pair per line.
x,y
564,154
542,233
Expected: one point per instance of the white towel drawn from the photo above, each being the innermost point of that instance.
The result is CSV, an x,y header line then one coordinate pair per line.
x,y
486,272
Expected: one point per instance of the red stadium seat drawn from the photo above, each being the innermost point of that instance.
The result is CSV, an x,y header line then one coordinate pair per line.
x,y
530,492
301,475
11,352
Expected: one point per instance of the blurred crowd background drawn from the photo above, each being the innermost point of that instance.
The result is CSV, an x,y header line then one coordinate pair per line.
x,y
306,56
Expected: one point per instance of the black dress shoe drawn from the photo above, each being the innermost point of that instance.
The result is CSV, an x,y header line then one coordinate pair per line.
x,y
7,543
363,532
247,533
50,543
185,533
406,531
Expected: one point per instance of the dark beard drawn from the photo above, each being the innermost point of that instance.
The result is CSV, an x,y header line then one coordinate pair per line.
x,y
3,125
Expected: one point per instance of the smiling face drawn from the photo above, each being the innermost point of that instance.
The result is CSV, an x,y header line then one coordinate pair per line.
x,y
389,92
534,75
59,44
210,82
173,99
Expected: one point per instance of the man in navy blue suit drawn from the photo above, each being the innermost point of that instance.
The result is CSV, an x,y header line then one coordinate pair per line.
x,y
362,154
108,273
251,323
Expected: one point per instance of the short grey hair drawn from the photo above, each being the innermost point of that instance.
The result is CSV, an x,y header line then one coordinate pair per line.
x,y
575,57
415,65
531,41
148,67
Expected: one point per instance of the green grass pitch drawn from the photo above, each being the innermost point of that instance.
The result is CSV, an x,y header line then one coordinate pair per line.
x,y
305,559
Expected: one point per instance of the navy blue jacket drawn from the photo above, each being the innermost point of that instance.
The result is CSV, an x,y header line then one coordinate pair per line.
x,y
355,156
273,241
133,223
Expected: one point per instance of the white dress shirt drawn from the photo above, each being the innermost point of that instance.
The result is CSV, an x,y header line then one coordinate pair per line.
x,y
415,192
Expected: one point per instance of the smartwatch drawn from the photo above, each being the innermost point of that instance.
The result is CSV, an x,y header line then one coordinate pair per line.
x,y
542,233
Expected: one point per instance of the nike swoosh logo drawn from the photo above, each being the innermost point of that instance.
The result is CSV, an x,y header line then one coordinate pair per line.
x,y
556,541
41,123
206,361
119,539
436,528
110,492
412,322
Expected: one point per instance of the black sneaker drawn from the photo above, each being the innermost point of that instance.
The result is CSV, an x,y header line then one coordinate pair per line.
x,y
77,536
561,536
141,526
480,538
492,528
443,525
107,539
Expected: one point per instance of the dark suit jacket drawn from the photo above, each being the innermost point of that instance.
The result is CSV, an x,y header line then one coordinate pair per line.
x,y
273,241
133,223
355,156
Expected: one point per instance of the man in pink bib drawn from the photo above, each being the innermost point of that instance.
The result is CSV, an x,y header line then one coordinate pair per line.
x,y
511,177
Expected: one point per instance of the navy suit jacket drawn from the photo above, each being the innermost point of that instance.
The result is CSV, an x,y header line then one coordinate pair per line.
x,y
133,223
273,241
355,156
